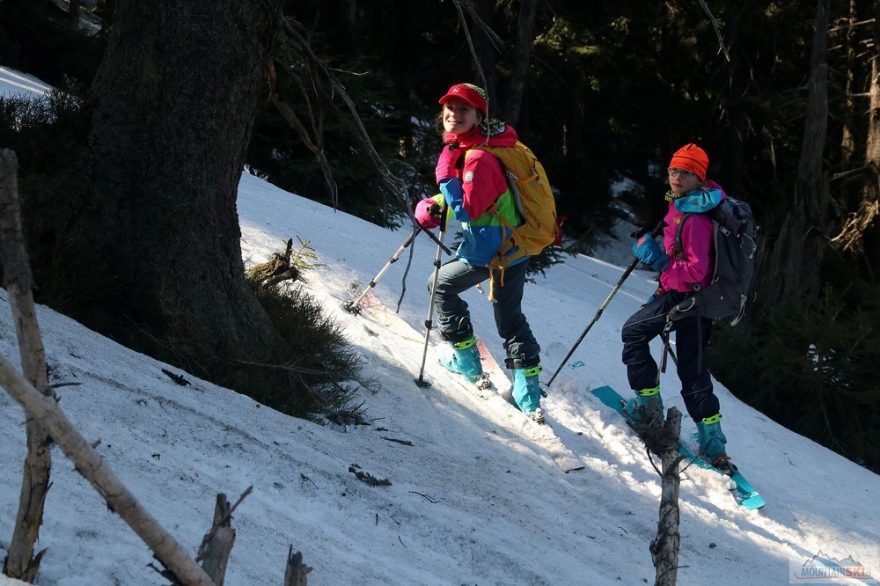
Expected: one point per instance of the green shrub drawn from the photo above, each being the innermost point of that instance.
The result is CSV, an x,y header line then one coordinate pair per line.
x,y
49,137
811,368
324,369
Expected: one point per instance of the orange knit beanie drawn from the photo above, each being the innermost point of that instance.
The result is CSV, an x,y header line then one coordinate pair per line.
x,y
691,158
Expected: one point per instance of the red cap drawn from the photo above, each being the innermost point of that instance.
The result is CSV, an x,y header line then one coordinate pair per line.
x,y
473,95
691,158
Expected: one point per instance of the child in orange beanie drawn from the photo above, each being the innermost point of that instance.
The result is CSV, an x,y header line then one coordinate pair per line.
x,y
683,270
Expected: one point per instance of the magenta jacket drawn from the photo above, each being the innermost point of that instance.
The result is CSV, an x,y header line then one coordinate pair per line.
x,y
693,264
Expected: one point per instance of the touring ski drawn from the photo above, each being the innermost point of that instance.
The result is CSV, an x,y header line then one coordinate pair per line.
x,y
743,491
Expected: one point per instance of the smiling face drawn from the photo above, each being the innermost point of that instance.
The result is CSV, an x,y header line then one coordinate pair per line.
x,y
681,181
459,117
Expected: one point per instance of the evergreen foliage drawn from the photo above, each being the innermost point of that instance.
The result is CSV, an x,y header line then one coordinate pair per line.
x,y
323,376
813,369
48,135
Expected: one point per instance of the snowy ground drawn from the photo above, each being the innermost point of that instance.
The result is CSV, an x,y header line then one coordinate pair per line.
x,y
478,498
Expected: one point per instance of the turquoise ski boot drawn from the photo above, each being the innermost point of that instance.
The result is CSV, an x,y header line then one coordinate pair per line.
x,y
712,442
647,402
527,392
465,360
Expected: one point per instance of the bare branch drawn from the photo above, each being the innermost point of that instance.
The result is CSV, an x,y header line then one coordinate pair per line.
x,y
93,468
323,74
721,46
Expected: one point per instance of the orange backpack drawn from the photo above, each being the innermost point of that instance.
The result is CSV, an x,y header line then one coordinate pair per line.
x,y
534,201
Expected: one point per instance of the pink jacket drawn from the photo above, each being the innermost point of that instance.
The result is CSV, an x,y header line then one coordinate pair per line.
x,y
482,177
693,265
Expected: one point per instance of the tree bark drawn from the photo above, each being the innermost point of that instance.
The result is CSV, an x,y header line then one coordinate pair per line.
x,y
525,38
18,281
859,231
792,268
90,464
174,103
847,141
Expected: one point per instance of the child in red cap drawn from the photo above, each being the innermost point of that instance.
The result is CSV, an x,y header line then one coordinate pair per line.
x,y
682,271
470,182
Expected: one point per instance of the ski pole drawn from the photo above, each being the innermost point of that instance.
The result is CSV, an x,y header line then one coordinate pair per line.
x,y
657,229
439,242
428,322
352,306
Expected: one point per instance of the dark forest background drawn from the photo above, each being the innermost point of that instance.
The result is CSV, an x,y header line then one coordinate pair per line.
x,y
783,95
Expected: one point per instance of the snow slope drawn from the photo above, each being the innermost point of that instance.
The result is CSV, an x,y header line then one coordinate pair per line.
x,y
15,83
476,499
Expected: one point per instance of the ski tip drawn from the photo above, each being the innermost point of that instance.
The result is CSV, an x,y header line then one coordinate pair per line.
x,y
752,502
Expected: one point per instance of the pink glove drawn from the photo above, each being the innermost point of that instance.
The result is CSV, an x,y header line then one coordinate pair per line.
x,y
447,162
428,213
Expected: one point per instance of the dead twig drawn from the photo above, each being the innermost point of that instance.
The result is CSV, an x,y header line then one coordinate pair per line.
x,y
398,441
367,478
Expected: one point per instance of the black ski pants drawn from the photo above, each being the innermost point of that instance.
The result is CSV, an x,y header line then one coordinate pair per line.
x,y
691,336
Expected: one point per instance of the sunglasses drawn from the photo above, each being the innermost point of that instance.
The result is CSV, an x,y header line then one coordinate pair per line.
x,y
680,173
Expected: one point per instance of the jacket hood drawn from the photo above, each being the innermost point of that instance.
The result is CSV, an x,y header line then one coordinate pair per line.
x,y
699,200
493,133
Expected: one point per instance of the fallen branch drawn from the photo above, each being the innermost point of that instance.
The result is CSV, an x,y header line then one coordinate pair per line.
x,y
397,441
93,468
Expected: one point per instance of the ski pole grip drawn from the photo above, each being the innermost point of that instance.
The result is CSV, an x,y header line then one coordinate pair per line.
x,y
443,213
642,230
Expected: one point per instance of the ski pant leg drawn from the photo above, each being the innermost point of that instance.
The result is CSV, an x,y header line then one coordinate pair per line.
x,y
513,327
638,331
691,337
453,317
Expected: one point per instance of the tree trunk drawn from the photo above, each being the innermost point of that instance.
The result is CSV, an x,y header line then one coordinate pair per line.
x,y
871,199
792,268
665,546
525,38
295,572
175,99
217,543
17,279
858,234
847,141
